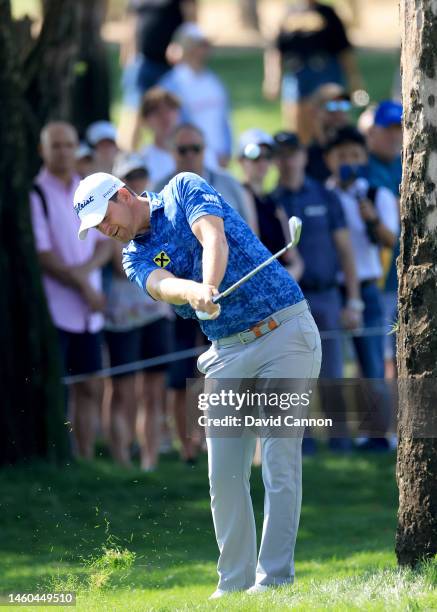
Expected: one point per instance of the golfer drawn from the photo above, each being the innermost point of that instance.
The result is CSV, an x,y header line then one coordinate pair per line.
x,y
186,245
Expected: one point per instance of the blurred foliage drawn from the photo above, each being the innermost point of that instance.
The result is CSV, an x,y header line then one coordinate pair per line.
x,y
116,8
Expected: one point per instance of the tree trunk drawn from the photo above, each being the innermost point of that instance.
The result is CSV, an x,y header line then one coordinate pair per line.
x,y
32,400
91,91
47,74
417,269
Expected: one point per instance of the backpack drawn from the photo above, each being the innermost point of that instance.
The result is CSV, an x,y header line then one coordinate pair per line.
x,y
40,193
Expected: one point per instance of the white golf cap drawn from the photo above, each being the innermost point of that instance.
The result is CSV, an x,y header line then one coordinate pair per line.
x,y
83,150
254,136
126,163
91,199
189,32
100,130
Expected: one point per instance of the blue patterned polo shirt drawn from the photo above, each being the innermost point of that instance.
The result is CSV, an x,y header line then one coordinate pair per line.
x,y
170,244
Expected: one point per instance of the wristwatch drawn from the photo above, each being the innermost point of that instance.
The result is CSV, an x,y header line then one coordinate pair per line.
x,y
355,304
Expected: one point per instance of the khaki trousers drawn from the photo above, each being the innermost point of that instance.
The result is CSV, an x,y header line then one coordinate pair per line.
x,y
293,350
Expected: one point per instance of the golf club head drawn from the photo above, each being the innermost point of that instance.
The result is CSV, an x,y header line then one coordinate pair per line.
x,y
295,227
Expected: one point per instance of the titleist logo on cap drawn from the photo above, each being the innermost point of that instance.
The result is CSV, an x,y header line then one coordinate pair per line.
x,y
81,205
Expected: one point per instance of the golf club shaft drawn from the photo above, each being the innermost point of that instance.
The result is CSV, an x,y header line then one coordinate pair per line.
x,y
249,275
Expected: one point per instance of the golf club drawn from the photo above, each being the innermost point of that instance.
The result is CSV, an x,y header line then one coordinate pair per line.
x,y
295,227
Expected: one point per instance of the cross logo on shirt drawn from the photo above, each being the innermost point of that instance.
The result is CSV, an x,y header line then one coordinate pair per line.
x,y
162,259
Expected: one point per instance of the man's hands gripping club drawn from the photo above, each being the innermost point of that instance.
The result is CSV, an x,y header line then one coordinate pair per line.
x,y
201,299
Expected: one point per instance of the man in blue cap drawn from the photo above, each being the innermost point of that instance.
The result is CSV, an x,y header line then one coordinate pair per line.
x,y
187,244
384,142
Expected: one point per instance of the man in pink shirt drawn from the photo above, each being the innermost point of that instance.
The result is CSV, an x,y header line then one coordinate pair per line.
x,y
71,276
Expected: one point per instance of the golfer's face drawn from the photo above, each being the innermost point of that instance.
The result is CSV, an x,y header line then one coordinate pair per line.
x,y
117,223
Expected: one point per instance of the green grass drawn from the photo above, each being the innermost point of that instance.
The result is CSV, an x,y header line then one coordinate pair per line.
x,y
134,541
242,72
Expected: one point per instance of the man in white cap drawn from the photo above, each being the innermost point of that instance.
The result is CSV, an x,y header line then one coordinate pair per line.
x,y
102,137
131,168
255,154
186,244
84,160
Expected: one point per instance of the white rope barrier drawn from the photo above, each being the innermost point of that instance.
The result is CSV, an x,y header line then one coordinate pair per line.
x,y
137,366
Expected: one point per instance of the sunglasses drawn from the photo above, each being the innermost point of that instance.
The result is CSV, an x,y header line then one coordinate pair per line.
x,y
335,106
185,149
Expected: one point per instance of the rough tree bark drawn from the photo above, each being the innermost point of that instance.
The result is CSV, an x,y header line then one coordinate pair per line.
x,y
91,94
417,269
32,400
47,73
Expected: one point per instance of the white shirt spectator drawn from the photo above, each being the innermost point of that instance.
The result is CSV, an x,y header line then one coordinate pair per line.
x,y
367,254
159,162
204,103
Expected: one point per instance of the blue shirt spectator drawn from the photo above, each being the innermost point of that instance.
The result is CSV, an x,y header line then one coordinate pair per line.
x,y
384,140
324,246
322,215
385,173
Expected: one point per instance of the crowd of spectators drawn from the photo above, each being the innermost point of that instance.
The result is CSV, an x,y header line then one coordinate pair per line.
x,y
341,180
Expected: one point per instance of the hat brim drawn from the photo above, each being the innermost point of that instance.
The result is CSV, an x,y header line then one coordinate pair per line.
x,y
395,121
290,146
90,221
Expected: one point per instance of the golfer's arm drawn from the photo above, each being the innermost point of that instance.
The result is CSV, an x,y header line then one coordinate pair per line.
x,y
166,287
52,266
347,263
209,231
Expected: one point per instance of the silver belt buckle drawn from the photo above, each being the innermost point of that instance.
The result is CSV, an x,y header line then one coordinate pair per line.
x,y
241,337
